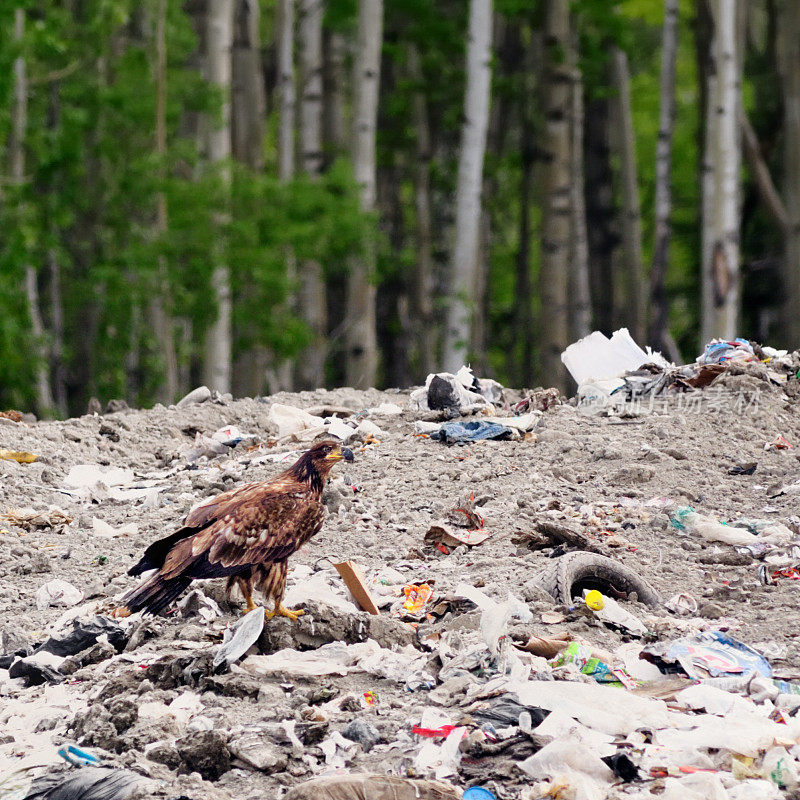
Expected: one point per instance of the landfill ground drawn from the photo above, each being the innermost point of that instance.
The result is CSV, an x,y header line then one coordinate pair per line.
x,y
609,476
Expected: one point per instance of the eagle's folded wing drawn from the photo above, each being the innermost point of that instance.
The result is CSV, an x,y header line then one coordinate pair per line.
x,y
253,526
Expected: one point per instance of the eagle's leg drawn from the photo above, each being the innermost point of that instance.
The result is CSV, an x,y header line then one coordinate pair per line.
x,y
274,586
245,584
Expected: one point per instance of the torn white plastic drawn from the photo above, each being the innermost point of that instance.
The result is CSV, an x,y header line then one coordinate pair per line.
x,y
58,593
495,616
291,420
596,357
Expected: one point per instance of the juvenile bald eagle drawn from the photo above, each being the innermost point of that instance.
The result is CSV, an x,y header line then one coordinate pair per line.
x,y
246,535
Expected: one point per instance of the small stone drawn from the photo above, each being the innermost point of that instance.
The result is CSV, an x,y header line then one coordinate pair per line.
x,y
112,406
199,395
205,752
712,611
94,406
258,752
164,753
13,638
124,713
191,633
363,732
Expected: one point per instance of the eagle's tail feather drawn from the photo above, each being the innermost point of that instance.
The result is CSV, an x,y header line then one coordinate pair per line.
x,y
155,594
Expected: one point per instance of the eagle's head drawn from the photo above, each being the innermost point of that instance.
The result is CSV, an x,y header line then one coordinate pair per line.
x,y
315,464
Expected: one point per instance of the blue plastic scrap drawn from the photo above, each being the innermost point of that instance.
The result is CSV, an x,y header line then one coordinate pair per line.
x,y
713,654
77,757
718,351
462,432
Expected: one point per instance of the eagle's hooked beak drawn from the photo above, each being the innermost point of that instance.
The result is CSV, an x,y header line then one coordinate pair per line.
x,y
340,453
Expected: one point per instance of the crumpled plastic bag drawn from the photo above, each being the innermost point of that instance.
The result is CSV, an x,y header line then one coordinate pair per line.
x,y
57,593
495,616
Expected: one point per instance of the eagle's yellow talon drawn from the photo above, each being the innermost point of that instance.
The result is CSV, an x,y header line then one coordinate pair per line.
x,y
280,611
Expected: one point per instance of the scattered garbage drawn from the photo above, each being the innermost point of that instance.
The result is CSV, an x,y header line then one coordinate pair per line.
x,y
589,664
103,529
568,576
468,610
28,518
20,456
372,787
686,519
58,593
37,669
711,654
457,393
88,783
450,536
240,637
77,757
610,612
353,578
779,443
718,351
83,634
230,436
465,432
416,599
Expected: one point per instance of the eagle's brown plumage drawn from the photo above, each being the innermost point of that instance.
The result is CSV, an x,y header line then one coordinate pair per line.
x,y
246,535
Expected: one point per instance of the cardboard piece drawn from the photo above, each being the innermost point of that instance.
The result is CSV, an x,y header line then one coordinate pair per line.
x,y
453,537
353,579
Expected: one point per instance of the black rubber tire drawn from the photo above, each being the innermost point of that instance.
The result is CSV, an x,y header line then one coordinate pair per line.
x,y
569,575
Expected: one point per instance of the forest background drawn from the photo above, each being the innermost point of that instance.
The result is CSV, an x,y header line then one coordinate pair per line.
x,y
285,194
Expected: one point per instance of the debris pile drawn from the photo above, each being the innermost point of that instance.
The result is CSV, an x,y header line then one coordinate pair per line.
x,y
586,606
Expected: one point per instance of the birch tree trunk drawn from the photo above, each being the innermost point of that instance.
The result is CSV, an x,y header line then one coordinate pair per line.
x,y
333,76
631,215
57,349
789,55
422,293
312,296
219,38
579,293
248,112
663,187
720,275
284,37
248,97
16,153
160,318
554,269
361,346
468,190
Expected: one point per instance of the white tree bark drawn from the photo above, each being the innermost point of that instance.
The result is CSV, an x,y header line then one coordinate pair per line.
x,y
361,346
284,37
468,190
789,60
219,39
311,293
16,148
663,187
311,13
334,78
720,295
554,269
579,293
629,184
160,318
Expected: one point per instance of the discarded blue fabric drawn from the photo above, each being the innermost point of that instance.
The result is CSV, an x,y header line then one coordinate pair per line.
x,y
461,432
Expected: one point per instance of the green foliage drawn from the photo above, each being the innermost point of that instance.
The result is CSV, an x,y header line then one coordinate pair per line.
x,y
90,200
